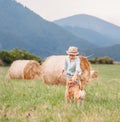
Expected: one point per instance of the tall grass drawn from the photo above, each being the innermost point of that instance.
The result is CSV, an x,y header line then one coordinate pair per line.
x,y
34,101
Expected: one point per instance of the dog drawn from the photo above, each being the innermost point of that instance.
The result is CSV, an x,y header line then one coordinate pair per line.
x,y
74,91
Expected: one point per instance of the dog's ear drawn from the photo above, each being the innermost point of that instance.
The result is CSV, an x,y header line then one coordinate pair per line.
x,y
81,87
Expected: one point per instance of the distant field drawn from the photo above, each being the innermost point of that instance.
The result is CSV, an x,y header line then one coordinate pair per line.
x,y
34,101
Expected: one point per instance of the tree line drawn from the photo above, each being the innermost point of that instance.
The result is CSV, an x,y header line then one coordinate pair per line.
x,y
7,57
102,60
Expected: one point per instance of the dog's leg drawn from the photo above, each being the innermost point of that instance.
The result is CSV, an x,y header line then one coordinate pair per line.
x,y
82,97
76,99
82,102
67,98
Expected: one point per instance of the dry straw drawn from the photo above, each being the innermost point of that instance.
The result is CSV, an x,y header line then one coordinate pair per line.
x,y
94,74
53,65
24,69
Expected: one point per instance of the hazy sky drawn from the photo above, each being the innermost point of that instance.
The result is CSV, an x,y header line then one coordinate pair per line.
x,y
56,9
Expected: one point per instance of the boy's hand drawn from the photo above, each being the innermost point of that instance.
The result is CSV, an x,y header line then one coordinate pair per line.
x,y
74,78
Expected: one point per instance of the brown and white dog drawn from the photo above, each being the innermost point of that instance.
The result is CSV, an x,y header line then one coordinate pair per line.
x,y
74,91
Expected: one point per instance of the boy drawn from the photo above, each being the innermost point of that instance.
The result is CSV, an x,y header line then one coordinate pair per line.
x,y
72,64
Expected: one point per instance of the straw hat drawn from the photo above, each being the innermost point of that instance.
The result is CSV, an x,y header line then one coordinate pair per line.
x,y
72,50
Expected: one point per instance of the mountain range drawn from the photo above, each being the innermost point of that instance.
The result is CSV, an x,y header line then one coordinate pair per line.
x,y
21,28
93,29
97,31
111,51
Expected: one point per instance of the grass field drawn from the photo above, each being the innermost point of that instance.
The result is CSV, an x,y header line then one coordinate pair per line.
x,y
34,101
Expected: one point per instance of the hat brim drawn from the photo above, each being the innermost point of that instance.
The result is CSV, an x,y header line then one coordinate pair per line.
x,y
72,53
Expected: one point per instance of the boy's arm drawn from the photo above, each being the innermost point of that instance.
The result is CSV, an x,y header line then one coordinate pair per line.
x,y
78,68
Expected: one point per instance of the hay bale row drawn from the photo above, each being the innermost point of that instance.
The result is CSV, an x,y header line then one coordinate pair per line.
x,y
53,65
24,69
49,71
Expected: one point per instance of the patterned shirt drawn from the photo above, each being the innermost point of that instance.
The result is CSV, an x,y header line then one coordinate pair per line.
x,y
72,66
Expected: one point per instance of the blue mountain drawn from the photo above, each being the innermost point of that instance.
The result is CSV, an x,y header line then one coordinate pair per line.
x,y
93,29
23,29
111,51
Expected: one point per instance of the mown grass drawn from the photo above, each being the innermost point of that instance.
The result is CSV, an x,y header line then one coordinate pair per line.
x,y
34,101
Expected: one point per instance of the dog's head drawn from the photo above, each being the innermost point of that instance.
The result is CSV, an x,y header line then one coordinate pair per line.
x,y
71,83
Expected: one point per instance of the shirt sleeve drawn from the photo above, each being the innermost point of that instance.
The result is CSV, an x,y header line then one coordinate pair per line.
x,y
78,68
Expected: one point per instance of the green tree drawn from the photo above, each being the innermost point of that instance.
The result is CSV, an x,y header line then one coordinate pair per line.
x,y
9,56
101,60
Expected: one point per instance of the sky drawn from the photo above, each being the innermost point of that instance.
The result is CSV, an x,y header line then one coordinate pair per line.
x,y
51,10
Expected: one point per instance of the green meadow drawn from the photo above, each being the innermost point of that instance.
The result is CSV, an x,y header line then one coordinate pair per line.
x,y
34,101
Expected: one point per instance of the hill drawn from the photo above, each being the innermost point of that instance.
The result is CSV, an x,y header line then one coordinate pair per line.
x,y
93,29
23,29
92,36
112,51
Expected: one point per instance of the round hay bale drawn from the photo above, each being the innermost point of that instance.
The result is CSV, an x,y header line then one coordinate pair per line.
x,y
94,74
24,69
86,67
52,68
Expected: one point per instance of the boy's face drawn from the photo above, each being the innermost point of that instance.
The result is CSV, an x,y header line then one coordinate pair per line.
x,y
71,56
